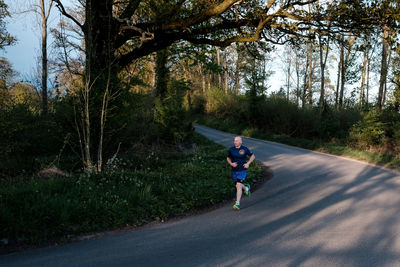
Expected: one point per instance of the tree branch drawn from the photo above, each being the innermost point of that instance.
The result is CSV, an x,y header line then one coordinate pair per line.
x,y
49,10
60,6
213,11
130,9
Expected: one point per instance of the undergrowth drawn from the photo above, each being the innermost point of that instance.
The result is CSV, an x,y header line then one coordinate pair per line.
x,y
136,188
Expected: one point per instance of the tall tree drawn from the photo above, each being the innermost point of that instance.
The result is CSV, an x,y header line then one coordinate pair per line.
x,y
311,67
323,56
288,61
340,64
43,9
384,65
235,65
44,15
345,57
298,74
364,69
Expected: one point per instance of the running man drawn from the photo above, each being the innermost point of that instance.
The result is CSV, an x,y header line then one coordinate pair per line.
x,y
237,158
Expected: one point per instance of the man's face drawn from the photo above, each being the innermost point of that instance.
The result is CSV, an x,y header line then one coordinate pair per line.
x,y
237,142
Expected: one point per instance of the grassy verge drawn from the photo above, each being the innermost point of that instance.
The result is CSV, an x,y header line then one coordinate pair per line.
x,y
391,161
136,189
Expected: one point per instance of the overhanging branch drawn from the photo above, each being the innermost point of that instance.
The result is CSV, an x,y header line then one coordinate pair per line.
x,y
61,7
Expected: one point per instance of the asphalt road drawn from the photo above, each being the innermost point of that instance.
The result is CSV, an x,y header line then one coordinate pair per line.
x,y
317,210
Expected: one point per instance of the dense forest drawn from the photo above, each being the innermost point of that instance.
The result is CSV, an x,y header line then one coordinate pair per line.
x,y
135,75
135,72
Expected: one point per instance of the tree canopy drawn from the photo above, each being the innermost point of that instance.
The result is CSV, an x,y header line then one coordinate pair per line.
x,y
136,28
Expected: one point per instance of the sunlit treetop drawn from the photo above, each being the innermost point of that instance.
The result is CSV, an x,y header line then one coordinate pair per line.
x,y
139,27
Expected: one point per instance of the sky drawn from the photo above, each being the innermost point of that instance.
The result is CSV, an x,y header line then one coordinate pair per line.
x,y
24,53
26,28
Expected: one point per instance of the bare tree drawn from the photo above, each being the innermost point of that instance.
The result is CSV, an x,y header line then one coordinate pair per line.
x,y
288,69
310,72
43,9
297,66
44,15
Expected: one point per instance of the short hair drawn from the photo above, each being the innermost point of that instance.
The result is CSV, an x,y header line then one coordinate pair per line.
x,y
241,140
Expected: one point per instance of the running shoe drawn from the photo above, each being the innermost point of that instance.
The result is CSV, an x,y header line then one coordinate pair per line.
x,y
236,206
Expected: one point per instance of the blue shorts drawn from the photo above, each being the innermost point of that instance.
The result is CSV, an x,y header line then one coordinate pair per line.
x,y
239,176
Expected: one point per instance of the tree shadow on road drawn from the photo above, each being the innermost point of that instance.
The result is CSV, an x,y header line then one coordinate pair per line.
x,y
348,223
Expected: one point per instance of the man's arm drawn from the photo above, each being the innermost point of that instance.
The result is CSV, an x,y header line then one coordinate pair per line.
x,y
233,164
247,164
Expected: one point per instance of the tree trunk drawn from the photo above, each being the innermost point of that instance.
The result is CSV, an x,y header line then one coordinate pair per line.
x,y
186,77
351,40
385,89
363,76
98,43
219,66
304,94
310,73
343,76
288,76
323,59
86,130
237,73
162,73
103,118
225,72
264,76
297,64
44,14
99,77
384,66
341,57
203,79
368,71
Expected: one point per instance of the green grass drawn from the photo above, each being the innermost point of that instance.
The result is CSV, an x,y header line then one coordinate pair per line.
x,y
136,189
387,160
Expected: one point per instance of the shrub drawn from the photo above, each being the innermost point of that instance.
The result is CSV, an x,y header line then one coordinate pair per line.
x,y
224,105
369,131
24,136
171,117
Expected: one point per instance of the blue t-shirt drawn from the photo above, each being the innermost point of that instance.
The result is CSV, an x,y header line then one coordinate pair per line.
x,y
239,155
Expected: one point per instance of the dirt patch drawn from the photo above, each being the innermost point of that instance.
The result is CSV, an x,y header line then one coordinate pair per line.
x,y
52,171
267,174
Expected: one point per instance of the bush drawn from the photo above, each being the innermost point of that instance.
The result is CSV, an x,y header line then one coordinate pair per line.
x,y
396,134
172,119
225,105
377,129
283,117
276,115
335,124
24,136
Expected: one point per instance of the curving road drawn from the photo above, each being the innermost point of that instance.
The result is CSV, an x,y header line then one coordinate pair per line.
x,y
318,210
